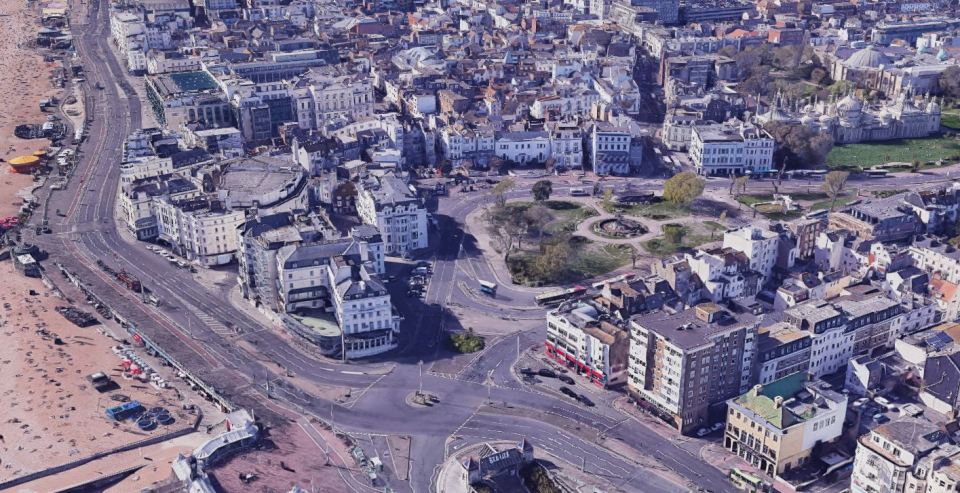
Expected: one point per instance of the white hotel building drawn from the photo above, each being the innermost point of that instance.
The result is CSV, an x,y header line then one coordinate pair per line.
x,y
728,149
389,204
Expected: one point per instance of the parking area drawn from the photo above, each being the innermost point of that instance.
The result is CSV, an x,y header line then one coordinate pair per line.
x,y
536,370
418,279
170,257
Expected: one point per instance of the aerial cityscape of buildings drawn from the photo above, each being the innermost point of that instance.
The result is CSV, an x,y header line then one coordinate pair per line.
x,y
462,246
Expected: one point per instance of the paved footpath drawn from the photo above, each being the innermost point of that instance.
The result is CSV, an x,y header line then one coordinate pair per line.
x,y
709,451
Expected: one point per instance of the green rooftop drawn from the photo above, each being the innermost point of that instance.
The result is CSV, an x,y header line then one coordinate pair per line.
x,y
763,404
193,81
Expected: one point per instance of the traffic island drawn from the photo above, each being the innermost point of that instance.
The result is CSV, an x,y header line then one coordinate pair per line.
x,y
421,400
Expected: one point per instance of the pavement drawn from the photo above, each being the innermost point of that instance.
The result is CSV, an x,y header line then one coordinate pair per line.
x,y
235,351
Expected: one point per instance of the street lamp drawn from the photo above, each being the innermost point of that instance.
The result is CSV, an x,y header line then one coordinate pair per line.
x,y
420,377
489,384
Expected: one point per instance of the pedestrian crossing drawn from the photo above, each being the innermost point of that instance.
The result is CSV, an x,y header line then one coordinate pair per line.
x,y
214,325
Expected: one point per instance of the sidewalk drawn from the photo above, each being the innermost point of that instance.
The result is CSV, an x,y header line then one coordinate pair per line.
x,y
710,452
492,258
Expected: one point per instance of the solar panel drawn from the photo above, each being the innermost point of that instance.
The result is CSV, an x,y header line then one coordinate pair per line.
x,y
939,340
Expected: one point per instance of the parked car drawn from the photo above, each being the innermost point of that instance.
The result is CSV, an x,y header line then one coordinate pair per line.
x,y
567,391
586,400
566,379
718,426
527,371
702,432
546,372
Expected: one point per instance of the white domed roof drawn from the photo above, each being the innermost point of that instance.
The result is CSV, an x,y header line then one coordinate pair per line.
x,y
807,120
933,107
849,104
868,57
826,118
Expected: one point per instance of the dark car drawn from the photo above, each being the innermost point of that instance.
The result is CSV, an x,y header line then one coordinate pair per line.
x,y
546,372
567,391
585,400
566,379
527,371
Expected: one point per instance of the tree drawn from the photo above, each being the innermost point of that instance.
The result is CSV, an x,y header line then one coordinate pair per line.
x,y
536,218
500,190
833,184
786,57
673,233
757,82
683,188
607,201
820,76
950,82
752,58
798,146
728,51
541,190
553,258
738,185
841,87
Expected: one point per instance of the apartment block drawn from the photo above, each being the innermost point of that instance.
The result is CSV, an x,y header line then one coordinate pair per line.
x,y
690,362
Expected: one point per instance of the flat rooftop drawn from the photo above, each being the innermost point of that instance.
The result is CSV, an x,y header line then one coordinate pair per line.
x,y
687,331
254,177
183,82
322,324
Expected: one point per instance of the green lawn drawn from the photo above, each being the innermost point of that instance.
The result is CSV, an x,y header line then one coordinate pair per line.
x,y
776,213
950,119
882,194
659,211
754,198
660,246
714,225
586,260
842,200
902,150
566,215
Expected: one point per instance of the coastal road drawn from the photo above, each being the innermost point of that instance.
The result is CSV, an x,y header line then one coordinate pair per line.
x,y
216,339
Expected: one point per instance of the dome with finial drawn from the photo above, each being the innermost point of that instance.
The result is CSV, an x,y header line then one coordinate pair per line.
x,y
849,104
849,110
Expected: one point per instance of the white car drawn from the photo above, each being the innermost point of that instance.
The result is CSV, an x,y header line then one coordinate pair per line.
x,y
718,426
702,432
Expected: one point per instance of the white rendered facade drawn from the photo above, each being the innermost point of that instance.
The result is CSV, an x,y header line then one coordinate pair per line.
x,y
397,214
725,149
759,245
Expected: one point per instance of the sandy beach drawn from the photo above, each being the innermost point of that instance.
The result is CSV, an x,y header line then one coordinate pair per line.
x,y
51,414
26,82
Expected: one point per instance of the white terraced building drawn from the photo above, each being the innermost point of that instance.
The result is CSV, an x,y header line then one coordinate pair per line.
x,y
389,204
